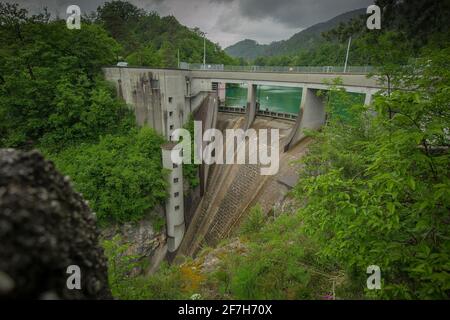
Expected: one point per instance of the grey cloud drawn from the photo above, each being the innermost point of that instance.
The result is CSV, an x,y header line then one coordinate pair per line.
x,y
295,13
291,13
60,6
227,20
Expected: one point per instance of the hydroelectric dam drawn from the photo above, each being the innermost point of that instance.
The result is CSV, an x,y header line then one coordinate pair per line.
x,y
164,99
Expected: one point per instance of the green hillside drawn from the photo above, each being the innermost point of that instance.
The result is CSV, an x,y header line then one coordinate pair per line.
x,y
303,40
151,40
247,49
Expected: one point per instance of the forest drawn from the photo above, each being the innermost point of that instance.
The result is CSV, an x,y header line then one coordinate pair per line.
x,y
53,98
374,188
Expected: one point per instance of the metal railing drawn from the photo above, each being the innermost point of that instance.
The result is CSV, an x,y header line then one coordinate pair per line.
x,y
232,109
277,114
305,69
272,114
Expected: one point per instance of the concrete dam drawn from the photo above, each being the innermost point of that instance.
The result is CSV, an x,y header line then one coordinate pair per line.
x,y
165,98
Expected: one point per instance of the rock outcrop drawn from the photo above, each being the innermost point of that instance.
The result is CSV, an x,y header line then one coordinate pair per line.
x,y
45,227
145,242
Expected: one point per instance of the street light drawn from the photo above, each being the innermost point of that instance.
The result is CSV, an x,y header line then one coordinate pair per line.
x,y
204,50
346,56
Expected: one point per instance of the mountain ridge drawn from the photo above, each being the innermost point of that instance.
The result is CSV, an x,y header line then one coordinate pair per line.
x,y
250,49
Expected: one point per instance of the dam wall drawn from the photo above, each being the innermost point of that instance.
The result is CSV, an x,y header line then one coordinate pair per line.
x,y
160,98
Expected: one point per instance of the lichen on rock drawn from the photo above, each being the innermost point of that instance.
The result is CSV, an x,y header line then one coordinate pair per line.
x,y
45,227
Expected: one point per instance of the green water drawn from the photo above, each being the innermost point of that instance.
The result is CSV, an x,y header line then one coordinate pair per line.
x,y
271,98
282,99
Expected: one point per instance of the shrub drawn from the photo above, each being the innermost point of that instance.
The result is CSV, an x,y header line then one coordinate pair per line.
x,y
254,221
121,176
277,264
377,188
50,92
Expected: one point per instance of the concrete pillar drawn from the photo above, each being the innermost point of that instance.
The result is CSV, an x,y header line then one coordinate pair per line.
x,y
368,99
221,91
311,116
250,112
175,201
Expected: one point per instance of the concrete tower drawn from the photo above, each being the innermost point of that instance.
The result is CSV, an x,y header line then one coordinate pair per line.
x,y
174,203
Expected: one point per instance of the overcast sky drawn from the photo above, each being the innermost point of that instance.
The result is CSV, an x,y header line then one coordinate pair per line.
x,y
229,21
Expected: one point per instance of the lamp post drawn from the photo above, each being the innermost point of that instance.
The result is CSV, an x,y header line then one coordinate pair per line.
x,y
346,57
204,50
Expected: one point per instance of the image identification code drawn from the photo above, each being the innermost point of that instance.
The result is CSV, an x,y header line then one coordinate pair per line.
x,y
232,309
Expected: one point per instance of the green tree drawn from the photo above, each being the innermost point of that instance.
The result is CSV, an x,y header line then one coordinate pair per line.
x,y
50,92
140,33
120,18
147,56
389,52
378,187
121,176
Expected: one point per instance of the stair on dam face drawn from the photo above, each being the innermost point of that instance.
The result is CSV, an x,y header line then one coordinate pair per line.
x,y
223,206
240,192
201,218
232,190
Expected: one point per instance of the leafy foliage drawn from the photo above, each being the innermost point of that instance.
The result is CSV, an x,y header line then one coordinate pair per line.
x,y
273,266
121,176
254,221
52,97
378,188
273,261
276,266
420,20
50,93
151,40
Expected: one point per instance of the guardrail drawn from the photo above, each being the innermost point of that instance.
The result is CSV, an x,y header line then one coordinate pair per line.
x,y
305,69
273,114
232,109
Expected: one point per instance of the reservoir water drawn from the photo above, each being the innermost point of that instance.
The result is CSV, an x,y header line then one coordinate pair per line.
x,y
271,98
282,99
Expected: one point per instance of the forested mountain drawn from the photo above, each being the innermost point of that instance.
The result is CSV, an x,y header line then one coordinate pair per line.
x,y
303,40
247,49
325,44
152,40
